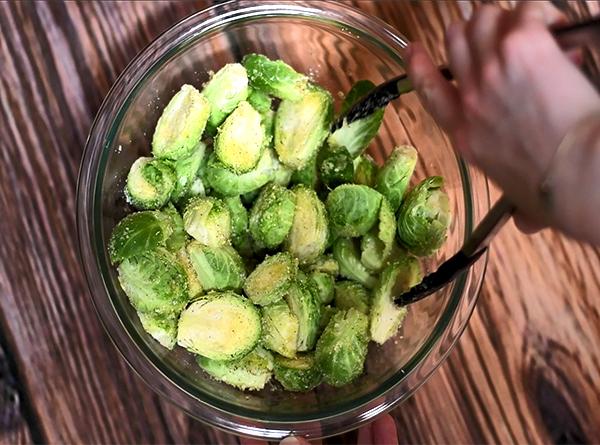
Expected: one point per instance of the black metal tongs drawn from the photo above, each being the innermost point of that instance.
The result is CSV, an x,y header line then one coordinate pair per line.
x,y
569,36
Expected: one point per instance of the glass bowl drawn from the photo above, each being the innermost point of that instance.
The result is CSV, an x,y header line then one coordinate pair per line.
x,y
337,45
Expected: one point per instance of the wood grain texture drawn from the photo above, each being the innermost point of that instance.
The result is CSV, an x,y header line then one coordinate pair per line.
x,y
527,369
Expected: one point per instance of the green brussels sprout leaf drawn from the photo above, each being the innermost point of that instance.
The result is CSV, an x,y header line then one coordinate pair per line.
x,y
345,253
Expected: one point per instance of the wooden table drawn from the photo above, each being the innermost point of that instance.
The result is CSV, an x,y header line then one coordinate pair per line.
x,y
526,370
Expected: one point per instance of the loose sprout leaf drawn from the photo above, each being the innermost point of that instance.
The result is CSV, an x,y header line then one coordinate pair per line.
x,y
304,305
220,326
353,209
260,100
181,124
155,282
208,220
186,171
252,372
336,167
424,217
272,215
386,317
394,177
376,245
270,281
310,229
162,329
225,90
358,91
227,183
150,183
217,267
301,126
345,253
365,171
342,348
356,136
275,77
349,294
297,374
137,233
325,263
194,287
240,140
324,283
280,329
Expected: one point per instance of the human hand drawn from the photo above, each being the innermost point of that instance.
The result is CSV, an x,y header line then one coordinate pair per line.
x,y
382,431
516,96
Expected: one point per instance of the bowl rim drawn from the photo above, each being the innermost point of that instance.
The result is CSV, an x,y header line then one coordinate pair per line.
x,y
230,417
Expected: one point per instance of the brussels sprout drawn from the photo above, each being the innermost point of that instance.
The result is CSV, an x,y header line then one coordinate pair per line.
x,y
342,348
162,329
324,283
186,171
272,215
194,287
301,127
275,77
393,178
297,374
260,101
150,183
239,220
304,305
424,217
358,91
283,175
357,135
310,230
227,183
365,171
326,314
325,263
179,237
225,90
138,233
155,282
207,219
350,294
280,329
336,167
353,209
240,139
219,326
269,282
345,253
396,278
376,245
217,267
252,372
181,124
307,175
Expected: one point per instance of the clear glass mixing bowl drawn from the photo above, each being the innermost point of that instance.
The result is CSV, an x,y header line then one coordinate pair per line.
x,y
336,45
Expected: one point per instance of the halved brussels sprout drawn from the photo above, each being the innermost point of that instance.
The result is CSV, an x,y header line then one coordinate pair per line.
x,y
350,294
353,209
217,267
186,171
219,326
301,126
376,245
155,282
227,183
325,263
181,124
239,223
137,233
396,278
307,175
272,215
324,283
424,217
240,140
297,374
304,305
225,90
336,166
252,372
310,229
179,237
342,348
280,329
272,278
208,220
162,329
365,171
194,287
345,253
150,183
394,176
326,314
275,77
358,91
